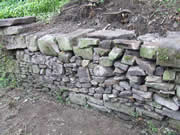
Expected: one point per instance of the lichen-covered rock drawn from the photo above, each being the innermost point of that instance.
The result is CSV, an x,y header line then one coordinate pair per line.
x,y
147,66
109,34
177,78
154,79
154,115
127,44
128,59
86,53
13,30
168,53
105,61
125,85
120,108
118,64
178,91
169,75
87,42
149,37
47,45
15,42
106,44
83,74
64,56
149,50
165,102
18,20
101,51
118,71
102,71
115,53
67,41
32,43
145,95
136,71
161,86
79,99
85,63
135,79
58,69
35,69
171,114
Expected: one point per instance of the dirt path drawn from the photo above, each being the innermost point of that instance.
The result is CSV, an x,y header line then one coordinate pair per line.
x,y
36,114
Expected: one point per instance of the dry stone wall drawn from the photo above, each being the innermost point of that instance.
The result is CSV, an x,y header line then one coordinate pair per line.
x,y
108,70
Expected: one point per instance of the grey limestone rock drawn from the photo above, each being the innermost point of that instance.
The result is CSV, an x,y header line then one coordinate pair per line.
x,y
101,71
136,71
165,102
17,21
48,46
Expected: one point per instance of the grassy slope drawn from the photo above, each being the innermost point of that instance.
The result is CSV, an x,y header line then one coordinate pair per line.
x,y
18,8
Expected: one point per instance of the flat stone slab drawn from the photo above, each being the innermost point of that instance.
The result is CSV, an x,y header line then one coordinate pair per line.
x,y
16,21
165,102
67,41
109,34
127,44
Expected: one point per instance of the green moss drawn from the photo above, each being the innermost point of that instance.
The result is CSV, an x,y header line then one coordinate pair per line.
x,y
178,55
148,53
127,57
163,54
7,70
169,75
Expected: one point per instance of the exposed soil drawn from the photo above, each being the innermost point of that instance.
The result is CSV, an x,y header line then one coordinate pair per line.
x,y
144,16
38,114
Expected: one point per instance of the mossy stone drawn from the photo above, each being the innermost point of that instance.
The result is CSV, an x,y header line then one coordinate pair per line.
x,y
169,75
85,53
87,42
148,52
168,57
101,51
128,59
105,61
115,53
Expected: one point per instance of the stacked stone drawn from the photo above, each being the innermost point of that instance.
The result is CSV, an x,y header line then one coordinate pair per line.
x,y
108,70
111,72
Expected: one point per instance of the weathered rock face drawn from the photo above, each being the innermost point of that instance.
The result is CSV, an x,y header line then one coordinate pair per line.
x,y
108,70
48,46
168,103
16,21
102,71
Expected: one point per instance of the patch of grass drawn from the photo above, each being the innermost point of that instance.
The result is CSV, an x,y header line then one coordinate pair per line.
x,y
59,95
152,128
39,8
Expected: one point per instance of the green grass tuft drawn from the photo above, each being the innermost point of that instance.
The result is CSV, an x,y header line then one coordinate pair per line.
x,y
39,8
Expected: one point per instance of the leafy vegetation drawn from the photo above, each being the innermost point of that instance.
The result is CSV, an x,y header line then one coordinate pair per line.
x,y
39,8
171,3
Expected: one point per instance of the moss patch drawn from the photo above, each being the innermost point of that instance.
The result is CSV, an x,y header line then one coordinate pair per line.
x,y
7,69
163,54
169,75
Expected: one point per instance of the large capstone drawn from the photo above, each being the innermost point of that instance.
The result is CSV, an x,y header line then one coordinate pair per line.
x,y
67,41
48,46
